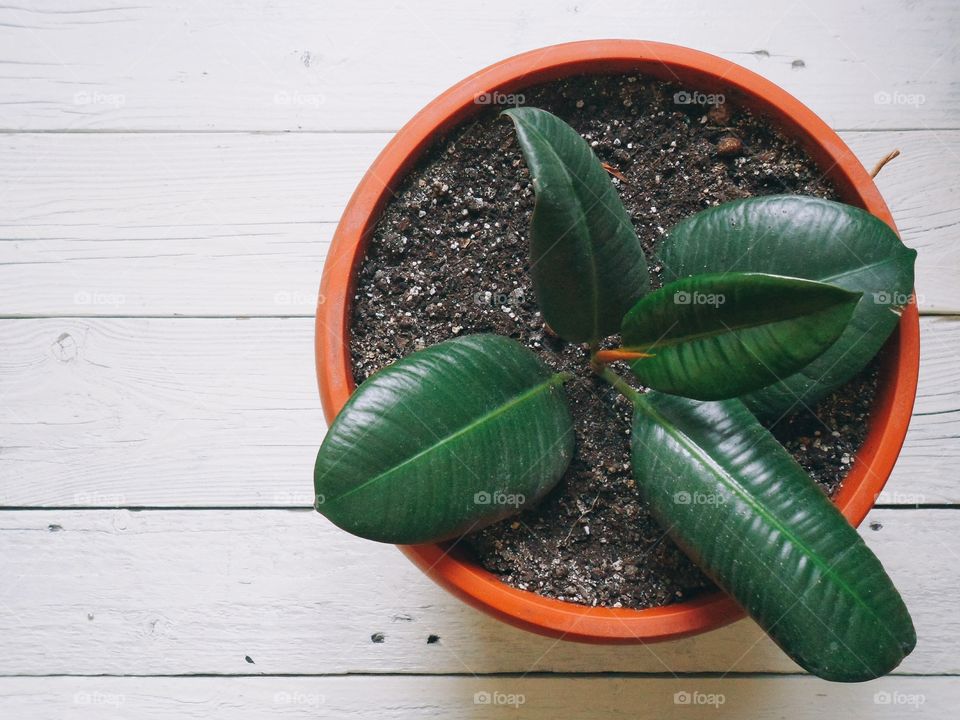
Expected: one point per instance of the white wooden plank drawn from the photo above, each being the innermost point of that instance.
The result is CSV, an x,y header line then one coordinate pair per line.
x,y
926,471
218,412
386,697
90,407
340,66
87,185
209,270
922,190
199,591
227,225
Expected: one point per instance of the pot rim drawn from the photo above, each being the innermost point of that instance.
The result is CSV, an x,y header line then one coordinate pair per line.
x,y
900,356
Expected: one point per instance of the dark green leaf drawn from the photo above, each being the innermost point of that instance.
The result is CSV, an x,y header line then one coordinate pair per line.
x,y
809,238
444,441
739,505
719,336
587,263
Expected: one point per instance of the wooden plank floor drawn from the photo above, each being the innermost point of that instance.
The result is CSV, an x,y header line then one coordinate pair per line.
x,y
170,177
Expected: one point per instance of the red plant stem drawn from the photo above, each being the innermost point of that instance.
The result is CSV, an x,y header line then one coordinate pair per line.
x,y
604,357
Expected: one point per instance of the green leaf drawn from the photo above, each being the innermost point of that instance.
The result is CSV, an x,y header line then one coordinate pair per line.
x,y
719,336
739,505
809,238
587,263
444,441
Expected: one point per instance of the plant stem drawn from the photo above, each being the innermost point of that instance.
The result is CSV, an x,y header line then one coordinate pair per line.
x,y
619,383
618,354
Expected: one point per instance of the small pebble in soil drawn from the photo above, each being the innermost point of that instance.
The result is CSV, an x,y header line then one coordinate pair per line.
x,y
729,146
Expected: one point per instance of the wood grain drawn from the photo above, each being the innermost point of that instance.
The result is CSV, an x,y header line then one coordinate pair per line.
x,y
228,225
328,66
449,698
199,591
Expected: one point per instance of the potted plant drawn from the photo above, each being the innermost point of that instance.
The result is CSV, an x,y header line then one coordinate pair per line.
x,y
622,293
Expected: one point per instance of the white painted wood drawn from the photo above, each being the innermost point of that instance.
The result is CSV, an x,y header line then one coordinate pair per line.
x,y
211,224
173,592
448,698
922,190
926,470
222,412
341,65
96,186
126,412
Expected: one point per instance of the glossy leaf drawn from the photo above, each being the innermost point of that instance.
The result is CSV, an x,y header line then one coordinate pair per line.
x,y
719,336
809,238
587,264
739,505
444,441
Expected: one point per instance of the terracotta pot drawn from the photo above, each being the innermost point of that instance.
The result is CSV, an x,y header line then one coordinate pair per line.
x,y
696,70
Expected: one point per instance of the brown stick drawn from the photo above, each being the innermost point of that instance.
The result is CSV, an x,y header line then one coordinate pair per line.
x,y
886,158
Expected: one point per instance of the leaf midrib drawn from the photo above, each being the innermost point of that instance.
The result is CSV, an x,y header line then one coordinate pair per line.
x,y
465,430
894,260
727,329
583,224
695,449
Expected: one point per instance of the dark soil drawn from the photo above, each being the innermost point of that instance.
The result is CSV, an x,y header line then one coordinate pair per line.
x,y
449,257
